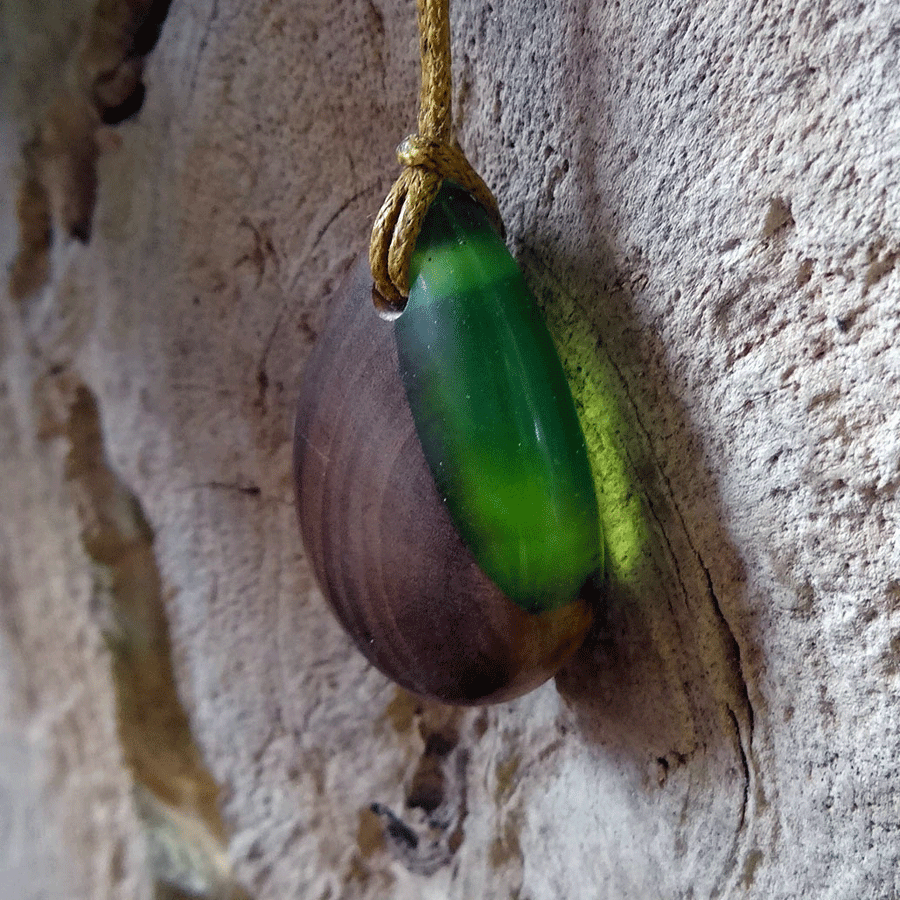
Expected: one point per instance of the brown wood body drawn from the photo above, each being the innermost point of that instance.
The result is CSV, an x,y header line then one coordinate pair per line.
x,y
385,552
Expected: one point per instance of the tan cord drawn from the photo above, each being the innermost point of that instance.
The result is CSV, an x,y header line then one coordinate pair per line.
x,y
427,159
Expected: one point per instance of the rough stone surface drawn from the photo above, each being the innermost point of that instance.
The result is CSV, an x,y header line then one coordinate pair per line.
x,y
706,199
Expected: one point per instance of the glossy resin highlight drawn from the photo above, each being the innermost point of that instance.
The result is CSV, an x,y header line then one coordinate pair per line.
x,y
494,412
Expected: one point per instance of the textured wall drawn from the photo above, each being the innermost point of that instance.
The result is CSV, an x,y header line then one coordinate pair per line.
x,y
707,201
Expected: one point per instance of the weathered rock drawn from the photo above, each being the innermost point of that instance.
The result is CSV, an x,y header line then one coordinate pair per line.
x,y
706,201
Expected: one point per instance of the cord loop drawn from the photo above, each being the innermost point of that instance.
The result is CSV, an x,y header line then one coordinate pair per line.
x,y
427,158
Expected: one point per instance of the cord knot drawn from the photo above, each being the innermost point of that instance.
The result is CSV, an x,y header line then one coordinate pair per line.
x,y
426,163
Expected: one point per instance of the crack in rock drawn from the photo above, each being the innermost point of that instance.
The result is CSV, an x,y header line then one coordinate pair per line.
x,y
432,831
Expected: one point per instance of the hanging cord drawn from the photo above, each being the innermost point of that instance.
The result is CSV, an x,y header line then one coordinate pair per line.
x,y
427,159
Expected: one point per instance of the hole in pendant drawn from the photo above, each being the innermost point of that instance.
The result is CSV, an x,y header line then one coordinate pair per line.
x,y
383,308
389,314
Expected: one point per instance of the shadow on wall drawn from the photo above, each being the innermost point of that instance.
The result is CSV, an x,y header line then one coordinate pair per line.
x,y
660,682
659,685
662,666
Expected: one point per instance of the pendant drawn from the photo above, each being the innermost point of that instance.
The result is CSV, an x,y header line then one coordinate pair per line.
x,y
385,553
449,516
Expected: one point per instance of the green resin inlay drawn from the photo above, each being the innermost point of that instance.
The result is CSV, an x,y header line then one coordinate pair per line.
x,y
494,411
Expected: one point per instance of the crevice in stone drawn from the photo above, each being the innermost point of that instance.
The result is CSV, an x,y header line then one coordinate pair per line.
x,y
734,654
731,640
433,829
738,855
175,794
778,217
735,648
58,190
745,766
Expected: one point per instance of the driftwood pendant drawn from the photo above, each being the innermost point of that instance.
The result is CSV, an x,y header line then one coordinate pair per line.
x,y
381,541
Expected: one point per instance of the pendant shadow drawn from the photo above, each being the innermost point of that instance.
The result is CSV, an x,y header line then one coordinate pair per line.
x,y
660,680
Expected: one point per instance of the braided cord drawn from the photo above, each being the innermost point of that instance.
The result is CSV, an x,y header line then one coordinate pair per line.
x,y
427,159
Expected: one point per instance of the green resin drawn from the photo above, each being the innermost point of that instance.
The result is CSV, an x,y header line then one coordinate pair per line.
x,y
494,412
